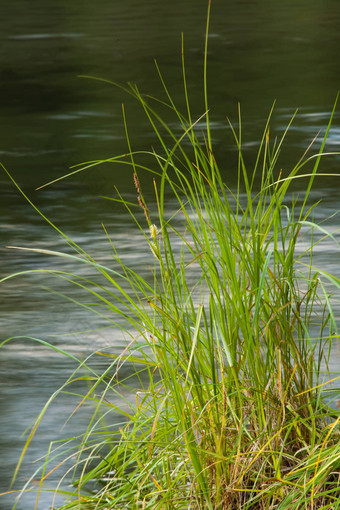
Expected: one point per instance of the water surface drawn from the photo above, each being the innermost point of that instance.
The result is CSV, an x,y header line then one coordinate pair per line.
x,y
259,52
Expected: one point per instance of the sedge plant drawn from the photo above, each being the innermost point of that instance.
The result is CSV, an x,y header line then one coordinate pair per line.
x,y
228,336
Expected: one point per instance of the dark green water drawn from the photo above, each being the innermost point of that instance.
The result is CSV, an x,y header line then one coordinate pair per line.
x,y
259,51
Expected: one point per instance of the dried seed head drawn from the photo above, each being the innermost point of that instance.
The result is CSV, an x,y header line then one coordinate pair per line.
x,y
153,231
155,250
136,181
145,209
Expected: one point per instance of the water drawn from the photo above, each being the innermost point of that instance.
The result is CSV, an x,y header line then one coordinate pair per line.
x,y
259,51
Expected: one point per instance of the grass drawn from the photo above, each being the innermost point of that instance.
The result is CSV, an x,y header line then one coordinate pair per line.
x,y
228,338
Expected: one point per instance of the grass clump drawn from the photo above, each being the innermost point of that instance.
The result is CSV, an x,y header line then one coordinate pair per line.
x,y
228,337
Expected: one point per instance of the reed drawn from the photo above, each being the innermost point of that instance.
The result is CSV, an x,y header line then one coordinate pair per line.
x,y
228,336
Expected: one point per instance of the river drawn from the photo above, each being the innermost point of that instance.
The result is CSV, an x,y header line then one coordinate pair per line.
x,y
52,118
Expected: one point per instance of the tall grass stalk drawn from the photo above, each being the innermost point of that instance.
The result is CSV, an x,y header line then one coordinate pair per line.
x,y
227,341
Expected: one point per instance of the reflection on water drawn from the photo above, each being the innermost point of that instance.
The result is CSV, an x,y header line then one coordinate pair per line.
x,y
51,119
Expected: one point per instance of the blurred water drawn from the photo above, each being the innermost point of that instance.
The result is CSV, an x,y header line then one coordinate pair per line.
x,y
259,51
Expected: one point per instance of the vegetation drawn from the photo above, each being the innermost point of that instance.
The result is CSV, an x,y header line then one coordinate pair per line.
x,y
228,338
